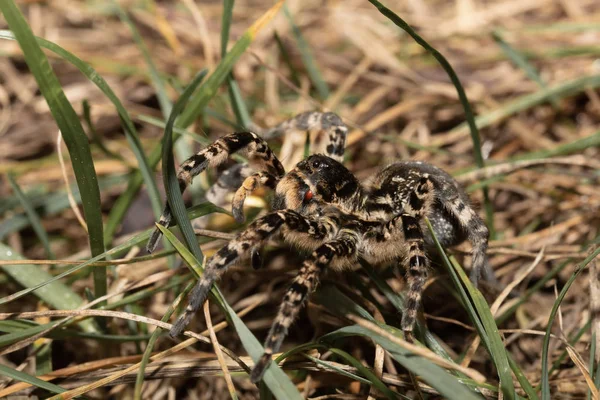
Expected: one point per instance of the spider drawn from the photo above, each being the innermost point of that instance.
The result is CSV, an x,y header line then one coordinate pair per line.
x,y
321,207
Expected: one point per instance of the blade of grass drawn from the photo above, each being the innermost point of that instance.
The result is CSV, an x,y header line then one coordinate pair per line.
x,y
561,90
177,208
592,365
72,131
87,118
237,101
461,95
194,212
174,195
447,385
277,381
523,381
55,295
209,88
398,301
295,76
367,373
32,380
36,222
197,104
520,61
128,126
157,82
139,380
307,58
479,312
546,345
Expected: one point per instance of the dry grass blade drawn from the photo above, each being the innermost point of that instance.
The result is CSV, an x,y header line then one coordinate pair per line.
x,y
218,352
595,306
540,133
63,170
420,351
576,358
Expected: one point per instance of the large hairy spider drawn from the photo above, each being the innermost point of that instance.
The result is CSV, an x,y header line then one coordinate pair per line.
x,y
321,207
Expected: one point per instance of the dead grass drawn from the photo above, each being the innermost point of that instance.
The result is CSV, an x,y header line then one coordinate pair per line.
x,y
399,104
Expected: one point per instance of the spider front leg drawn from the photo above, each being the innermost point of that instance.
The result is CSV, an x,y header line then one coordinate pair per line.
x,y
297,294
259,155
229,181
249,185
294,225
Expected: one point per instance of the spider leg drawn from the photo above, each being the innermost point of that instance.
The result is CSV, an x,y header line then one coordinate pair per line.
x,y
227,182
416,266
248,186
295,225
419,204
259,154
477,234
330,132
297,294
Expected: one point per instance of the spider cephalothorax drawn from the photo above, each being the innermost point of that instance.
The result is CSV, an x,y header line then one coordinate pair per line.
x,y
321,207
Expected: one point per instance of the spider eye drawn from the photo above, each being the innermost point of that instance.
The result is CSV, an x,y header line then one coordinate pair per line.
x,y
316,164
308,195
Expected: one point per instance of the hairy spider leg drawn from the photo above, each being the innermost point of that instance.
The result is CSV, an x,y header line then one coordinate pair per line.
x,y
477,234
294,224
419,204
258,152
249,185
297,294
228,181
329,132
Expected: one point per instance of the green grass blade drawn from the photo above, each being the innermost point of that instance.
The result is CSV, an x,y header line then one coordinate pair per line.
x,y
87,118
285,55
479,312
338,303
398,301
174,195
32,380
35,220
197,104
449,386
560,90
210,87
194,212
56,294
242,115
553,312
592,365
237,101
72,131
307,58
128,126
367,373
277,381
496,345
461,95
523,381
520,61
157,82
139,379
